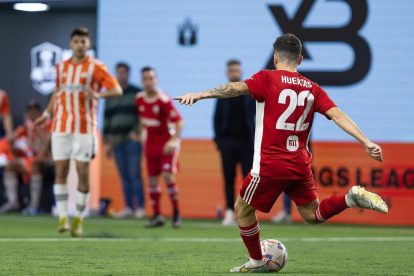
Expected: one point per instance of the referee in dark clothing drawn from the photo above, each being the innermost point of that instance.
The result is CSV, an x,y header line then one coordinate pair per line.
x,y
234,135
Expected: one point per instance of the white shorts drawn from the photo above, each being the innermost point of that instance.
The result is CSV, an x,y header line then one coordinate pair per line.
x,y
80,147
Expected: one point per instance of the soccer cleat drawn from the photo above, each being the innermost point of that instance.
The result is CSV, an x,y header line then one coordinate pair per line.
x,y
29,211
250,268
63,225
9,207
177,221
140,213
125,213
359,197
77,227
156,221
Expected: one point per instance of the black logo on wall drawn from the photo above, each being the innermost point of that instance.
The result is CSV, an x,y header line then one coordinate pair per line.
x,y
187,33
347,34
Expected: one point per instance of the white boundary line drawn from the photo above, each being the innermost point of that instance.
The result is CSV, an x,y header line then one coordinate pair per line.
x,y
340,239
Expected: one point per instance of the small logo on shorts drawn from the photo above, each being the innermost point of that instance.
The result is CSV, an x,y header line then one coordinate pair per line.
x,y
166,166
292,143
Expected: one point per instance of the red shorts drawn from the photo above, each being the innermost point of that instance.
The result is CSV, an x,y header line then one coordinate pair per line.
x,y
262,193
162,163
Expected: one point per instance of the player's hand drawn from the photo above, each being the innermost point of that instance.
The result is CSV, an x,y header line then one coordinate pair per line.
x,y
170,146
40,120
91,94
109,151
374,151
189,98
133,136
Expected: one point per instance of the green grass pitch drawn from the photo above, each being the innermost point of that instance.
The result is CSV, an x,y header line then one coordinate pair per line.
x,y
31,246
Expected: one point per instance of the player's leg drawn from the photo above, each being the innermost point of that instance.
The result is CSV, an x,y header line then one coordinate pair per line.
x,y
256,194
250,234
61,152
134,172
154,171
11,185
36,186
170,180
169,168
60,190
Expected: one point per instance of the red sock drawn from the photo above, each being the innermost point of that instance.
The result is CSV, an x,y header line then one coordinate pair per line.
x,y
155,193
173,192
250,236
330,207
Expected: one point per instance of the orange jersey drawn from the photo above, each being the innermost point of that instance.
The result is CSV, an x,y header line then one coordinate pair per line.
x,y
73,113
37,136
4,103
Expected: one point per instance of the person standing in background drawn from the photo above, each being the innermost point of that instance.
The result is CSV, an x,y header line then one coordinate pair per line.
x,y
121,138
234,135
6,117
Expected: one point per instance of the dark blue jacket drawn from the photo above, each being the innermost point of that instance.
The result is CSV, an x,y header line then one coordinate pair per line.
x,y
221,117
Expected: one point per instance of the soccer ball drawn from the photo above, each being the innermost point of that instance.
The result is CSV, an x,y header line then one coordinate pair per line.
x,y
274,255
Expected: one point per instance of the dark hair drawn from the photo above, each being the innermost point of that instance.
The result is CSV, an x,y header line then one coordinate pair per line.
x,y
122,64
81,31
233,62
33,104
147,68
288,47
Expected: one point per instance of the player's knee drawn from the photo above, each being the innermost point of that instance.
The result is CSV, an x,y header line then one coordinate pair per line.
x,y
242,209
168,177
153,180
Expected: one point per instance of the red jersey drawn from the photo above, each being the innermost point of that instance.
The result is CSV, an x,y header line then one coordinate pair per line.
x,y
285,107
157,116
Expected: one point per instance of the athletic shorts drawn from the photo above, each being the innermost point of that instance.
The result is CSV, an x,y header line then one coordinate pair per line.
x,y
262,192
156,164
80,147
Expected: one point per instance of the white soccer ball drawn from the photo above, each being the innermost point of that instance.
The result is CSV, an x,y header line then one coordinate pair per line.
x,y
274,254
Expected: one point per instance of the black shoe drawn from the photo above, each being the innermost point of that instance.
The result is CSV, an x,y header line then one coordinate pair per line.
x,y
177,221
156,221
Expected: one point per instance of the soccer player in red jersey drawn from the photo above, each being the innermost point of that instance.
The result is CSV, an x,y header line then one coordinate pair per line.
x,y
285,106
163,124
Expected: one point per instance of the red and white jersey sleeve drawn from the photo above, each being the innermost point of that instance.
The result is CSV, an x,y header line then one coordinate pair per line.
x,y
4,103
286,103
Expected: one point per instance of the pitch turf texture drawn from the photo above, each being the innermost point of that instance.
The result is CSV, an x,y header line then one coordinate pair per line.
x,y
31,246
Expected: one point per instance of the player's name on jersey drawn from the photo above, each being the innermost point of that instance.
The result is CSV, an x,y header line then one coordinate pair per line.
x,y
298,81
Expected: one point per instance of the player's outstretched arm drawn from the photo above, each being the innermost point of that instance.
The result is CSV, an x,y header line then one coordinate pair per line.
x,y
227,90
344,122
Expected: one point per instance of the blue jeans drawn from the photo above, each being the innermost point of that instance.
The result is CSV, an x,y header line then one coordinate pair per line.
x,y
128,160
286,203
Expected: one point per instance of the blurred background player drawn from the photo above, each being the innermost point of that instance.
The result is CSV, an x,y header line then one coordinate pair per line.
x,y
38,140
121,138
158,115
5,116
234,135
74,104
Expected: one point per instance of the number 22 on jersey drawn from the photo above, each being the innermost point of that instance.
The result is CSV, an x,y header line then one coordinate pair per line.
x,y
295,100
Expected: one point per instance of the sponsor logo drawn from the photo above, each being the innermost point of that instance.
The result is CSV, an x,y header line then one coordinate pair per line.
x,y
292,143
156,109
347,34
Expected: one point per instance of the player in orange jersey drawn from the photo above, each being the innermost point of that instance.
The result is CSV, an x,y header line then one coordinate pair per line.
x,y
79,81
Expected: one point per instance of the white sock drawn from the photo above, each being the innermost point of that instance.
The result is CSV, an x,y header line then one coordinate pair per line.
x,y
256,262
61,197
11,184
36,185
81,201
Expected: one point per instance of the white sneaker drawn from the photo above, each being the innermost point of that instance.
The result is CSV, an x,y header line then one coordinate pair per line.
x,y
140,213
359,197
282,216
125,213
229,218
9,207
248,267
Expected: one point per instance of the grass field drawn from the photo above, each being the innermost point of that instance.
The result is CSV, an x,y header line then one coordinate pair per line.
x,y
31,246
